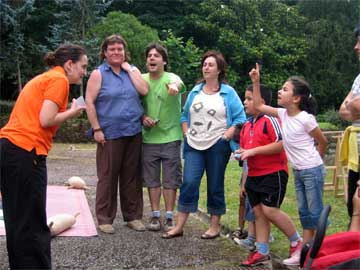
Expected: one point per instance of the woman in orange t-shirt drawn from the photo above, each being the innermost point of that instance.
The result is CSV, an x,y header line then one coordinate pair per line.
x,y
24,144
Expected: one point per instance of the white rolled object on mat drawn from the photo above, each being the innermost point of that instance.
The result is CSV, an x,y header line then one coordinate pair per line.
x,y
76,182
61,222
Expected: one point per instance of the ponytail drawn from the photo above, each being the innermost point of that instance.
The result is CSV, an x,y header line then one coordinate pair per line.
x,y
308,104
302,89
64,53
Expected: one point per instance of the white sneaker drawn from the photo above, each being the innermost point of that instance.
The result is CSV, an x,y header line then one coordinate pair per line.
x,y
246,243
294,258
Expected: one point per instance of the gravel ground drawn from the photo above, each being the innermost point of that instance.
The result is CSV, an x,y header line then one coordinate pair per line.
x,y
127,249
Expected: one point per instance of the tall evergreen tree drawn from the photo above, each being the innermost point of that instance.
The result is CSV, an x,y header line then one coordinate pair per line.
x,y
14,43
330,64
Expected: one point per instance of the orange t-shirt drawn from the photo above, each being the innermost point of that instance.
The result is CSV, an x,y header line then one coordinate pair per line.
x,y
24,128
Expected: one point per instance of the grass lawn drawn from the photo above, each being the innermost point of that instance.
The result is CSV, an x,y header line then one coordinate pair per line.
x,y
338,215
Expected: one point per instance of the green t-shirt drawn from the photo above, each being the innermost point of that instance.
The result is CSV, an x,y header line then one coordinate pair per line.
x,y
159,105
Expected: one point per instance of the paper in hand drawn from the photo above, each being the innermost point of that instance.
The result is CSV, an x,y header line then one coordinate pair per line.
x,y
80,101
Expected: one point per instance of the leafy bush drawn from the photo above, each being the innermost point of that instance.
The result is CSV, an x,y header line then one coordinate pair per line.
x,y
184,58
332,117
327,126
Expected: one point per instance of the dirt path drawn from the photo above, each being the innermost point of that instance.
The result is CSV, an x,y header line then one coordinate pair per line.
x,y
127,249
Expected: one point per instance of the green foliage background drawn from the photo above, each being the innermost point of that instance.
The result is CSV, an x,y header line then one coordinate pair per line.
x,y
313,39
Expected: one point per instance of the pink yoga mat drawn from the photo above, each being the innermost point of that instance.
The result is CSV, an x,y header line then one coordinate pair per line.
x,y
61,200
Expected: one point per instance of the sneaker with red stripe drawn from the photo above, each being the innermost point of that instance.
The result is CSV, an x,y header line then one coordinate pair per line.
x,y
293,249
294,258
256,258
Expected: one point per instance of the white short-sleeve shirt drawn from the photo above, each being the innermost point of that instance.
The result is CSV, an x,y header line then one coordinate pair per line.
x,y
299,145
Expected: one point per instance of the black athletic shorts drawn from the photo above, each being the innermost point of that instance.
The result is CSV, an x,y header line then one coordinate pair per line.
x,y
267,189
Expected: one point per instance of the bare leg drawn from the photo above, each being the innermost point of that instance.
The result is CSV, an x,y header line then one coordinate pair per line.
x,y
154,195
241,211
215,226
169,198
308,235
180,223
251,228
279,219
262,224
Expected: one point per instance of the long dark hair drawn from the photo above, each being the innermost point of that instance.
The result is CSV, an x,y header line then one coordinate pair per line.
x,y
302,89
63,54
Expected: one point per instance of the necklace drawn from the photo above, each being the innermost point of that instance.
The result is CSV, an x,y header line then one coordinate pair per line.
x,y
210,91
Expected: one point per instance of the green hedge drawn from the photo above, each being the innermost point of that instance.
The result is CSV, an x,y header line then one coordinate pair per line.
x,y
71,131
332,117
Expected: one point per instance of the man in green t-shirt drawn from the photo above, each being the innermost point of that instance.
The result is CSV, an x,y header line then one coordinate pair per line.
x,y
162,135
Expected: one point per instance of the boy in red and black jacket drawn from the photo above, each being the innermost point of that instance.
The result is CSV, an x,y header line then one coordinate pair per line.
x,y
261,145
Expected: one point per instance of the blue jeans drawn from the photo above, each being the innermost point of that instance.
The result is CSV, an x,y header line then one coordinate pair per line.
x,y
249,212
309,186
213,161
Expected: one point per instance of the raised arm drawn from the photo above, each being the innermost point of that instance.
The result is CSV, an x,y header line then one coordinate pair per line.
x,y
255,78
175,86
50,115
135,76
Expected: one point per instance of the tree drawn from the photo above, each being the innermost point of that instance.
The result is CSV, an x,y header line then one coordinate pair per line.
x,y
250,31
161,15
13,17
74,18
330,64
136,35
185,58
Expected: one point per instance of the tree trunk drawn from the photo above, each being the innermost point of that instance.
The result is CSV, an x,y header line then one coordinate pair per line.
x,y
19,75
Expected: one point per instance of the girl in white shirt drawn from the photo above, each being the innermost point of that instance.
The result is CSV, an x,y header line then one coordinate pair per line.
x,y
300,132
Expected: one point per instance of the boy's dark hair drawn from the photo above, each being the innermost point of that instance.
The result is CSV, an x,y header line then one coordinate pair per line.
x,y
160,49
302,89
265,92
357,30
